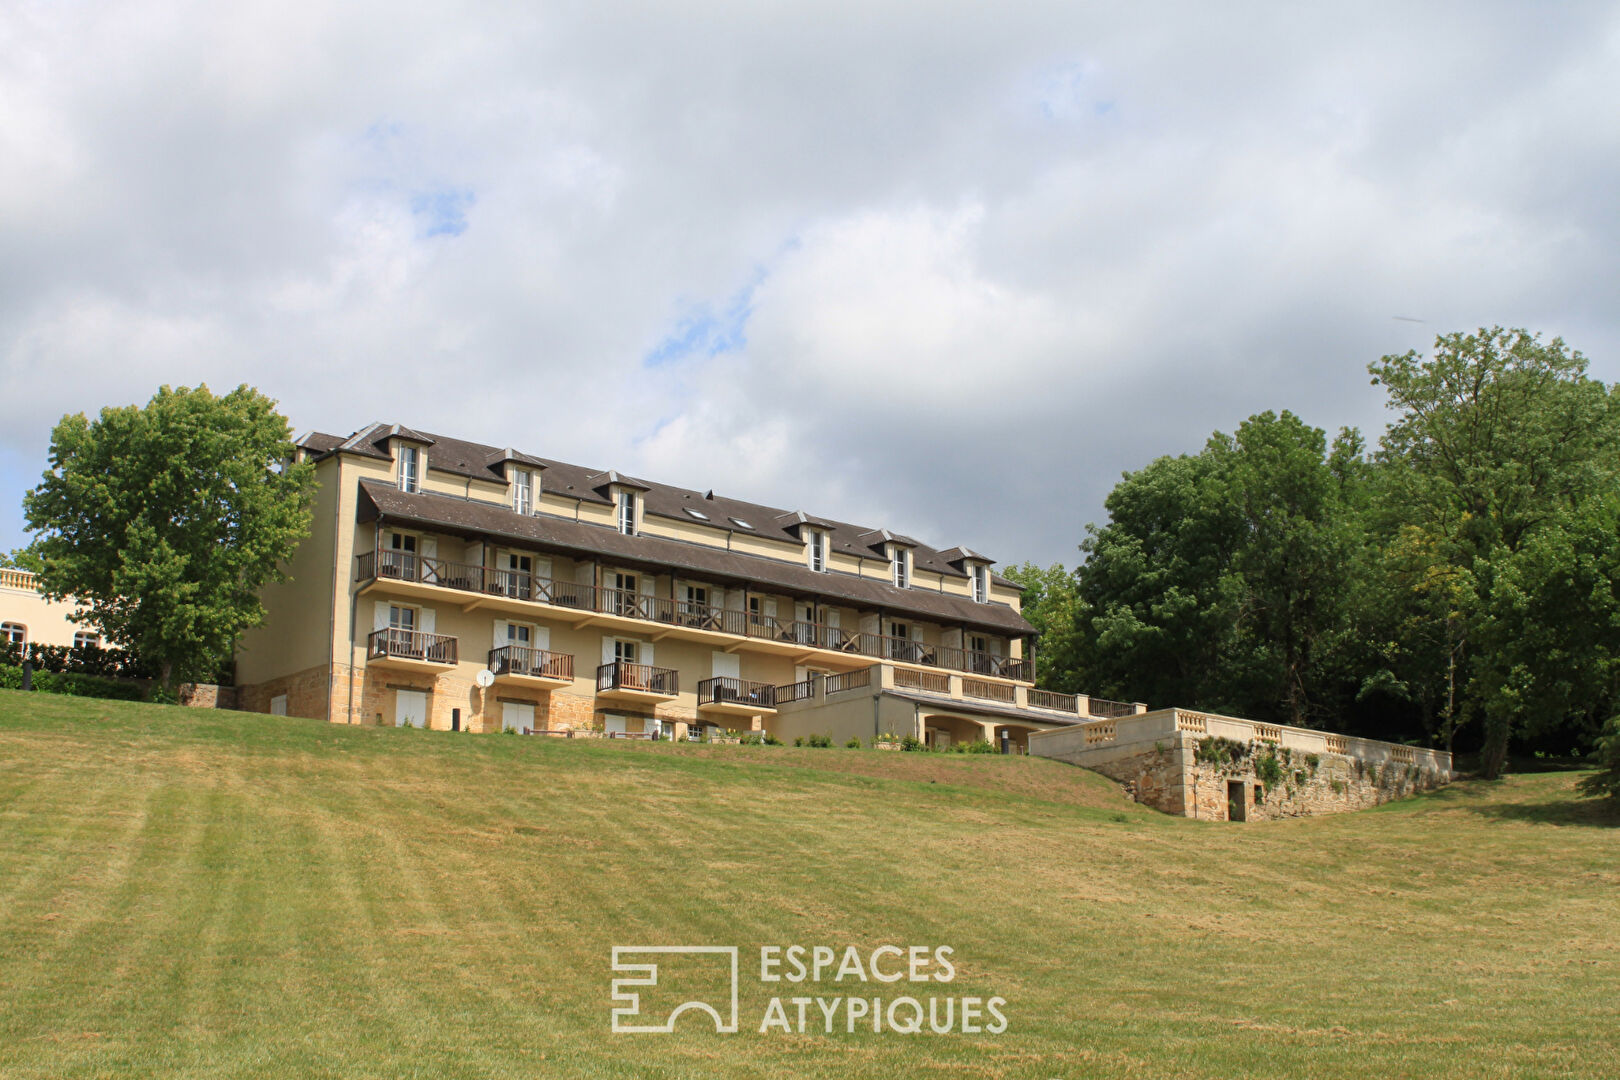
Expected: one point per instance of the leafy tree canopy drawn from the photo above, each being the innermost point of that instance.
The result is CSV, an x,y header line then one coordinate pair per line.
x,y
167,520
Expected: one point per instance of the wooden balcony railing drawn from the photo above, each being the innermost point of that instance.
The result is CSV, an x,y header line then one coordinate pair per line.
x,y
535,663
1110,709
934,682
407,566
1051,699
725,690
803,690
987,691
410,645
849,680
625,676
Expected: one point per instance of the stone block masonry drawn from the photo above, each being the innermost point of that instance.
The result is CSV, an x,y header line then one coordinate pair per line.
x,y
1218,768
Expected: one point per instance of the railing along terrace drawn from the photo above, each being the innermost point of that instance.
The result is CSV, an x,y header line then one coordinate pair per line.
x,y
16,579
989,691
408,566
803,690
538,663
410,645
1051,699
621,675
849,680
724,689
934,682
1106,709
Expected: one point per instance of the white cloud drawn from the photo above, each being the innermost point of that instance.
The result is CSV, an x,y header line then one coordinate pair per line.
x,y
1046,242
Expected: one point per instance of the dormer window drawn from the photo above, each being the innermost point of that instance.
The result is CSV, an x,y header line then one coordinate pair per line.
x,y
816,546
981,583
523,491
410,469
627,512
900,563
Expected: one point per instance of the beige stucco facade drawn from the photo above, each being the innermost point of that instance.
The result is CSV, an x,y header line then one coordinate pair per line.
x,y
24,610
390,615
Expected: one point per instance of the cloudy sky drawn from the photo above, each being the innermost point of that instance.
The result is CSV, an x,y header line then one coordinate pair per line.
x,y
943,268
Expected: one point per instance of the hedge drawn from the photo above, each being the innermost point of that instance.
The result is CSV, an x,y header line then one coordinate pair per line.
x,y
91,686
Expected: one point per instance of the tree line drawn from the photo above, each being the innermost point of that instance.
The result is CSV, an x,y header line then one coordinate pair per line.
x,y
1453,586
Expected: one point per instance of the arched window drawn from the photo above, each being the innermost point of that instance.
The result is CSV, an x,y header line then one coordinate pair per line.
x,y
86,639
14,632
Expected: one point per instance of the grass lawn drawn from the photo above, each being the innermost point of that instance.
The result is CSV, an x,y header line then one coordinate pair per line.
x,y
189,894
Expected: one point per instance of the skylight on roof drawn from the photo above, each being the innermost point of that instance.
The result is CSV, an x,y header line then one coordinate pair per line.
x,y
740,523
700,515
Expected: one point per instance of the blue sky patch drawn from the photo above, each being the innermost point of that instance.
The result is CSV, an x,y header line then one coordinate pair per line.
x,y
442,212
704,330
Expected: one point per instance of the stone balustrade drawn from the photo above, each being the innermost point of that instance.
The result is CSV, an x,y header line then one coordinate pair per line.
x,y
1162,724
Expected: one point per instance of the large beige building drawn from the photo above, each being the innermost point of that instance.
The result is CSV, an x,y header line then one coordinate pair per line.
x,y
599,602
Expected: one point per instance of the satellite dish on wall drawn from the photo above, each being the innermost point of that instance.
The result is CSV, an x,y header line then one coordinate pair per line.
x,y
485,679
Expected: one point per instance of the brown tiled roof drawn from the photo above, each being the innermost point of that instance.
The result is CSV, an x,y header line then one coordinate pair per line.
x,y
472,518
461,458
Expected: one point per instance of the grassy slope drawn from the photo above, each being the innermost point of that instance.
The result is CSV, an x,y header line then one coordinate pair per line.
x,y
212,894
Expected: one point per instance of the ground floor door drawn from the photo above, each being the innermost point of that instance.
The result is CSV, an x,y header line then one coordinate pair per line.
x,y
410,708
516,717
1237,801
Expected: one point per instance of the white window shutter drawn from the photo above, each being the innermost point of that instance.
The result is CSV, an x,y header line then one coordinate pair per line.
x,y
916,632
427,621
726,665
430,547
645,652
500,634
381,618
542,568
647,583
607,649
542,637
770,607
831,618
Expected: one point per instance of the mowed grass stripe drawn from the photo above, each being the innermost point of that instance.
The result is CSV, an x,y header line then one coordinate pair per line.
x,y
258,897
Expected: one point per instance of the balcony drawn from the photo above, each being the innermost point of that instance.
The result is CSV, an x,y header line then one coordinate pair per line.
x,y
410,649
523,666
726,696
621,681
413,574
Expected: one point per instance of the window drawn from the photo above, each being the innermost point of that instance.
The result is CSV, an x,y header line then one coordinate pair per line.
x,y
902,569
519,634
627,512
741,524
981,584
523,491
85,639
14,632
410,460
700,515
625,652
401,618
818,551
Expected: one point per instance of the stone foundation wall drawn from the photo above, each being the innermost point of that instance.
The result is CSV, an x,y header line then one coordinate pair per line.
x,y
307,693
207,696
1169,776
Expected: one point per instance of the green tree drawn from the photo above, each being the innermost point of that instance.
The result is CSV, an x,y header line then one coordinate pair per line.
x,y
167,520
1500,440
1221,580
1051,603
